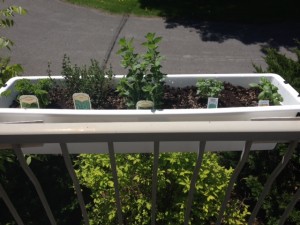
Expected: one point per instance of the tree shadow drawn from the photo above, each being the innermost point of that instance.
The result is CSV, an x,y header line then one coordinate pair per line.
x,y
276,22
274,35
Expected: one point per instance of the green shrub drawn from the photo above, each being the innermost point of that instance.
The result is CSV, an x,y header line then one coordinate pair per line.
x,y
40,89
7,70
280,64
175,171
92,80
268,91
209,88
144,80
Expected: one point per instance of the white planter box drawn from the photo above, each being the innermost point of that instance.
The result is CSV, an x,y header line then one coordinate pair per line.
x,y
289,108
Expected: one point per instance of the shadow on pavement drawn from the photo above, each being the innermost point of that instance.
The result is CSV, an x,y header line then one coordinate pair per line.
x,y
275,22
274,34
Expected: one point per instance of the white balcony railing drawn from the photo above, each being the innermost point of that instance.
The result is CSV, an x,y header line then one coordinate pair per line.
x,y
18,136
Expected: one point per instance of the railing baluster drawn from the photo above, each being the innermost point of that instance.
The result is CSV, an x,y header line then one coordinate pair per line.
x,y
290,207
285,159
35,182
154,182
115,179
10,206
239,167
193,182
70,168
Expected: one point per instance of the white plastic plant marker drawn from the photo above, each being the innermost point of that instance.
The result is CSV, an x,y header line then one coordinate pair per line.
x,y
263,103
144,104
29,101
82,101
212,103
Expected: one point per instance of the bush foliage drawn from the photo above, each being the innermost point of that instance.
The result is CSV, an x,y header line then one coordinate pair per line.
x,y
175,171
8,70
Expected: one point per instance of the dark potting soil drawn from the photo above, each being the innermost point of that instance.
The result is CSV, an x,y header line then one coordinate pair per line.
x,y
174,98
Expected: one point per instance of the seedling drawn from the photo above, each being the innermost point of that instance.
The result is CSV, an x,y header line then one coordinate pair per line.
x,y
268,91
209,88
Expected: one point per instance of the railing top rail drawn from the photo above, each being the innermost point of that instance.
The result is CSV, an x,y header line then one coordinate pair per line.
x,y
150,131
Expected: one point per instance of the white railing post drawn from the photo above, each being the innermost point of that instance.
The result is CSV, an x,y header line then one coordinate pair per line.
x,y
290,207
68,163
154,182
10,206
239,167
115,179
193,182
35,183
285,159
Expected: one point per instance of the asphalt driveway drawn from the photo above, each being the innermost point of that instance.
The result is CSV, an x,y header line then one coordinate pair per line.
x,y
53,28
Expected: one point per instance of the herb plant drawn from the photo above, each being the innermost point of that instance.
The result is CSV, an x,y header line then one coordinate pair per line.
x,y
40,89
209,87
144,80
92,80
268,91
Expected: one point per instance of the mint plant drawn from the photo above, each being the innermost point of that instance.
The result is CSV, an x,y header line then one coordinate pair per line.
x,y
209,88
144,79
268,91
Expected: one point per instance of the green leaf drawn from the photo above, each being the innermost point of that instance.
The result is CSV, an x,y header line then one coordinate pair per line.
x,y
5,43
254,85
19,10
28,160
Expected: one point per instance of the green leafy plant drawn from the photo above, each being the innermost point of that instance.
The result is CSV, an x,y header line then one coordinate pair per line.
x,y
93,80
174,175
144,80
268,91
209,87
280,64
8,71
40,89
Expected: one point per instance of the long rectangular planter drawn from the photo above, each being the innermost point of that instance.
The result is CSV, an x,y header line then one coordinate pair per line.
x,y
290,108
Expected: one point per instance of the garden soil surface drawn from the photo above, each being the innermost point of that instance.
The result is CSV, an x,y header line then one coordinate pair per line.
x,y
174,98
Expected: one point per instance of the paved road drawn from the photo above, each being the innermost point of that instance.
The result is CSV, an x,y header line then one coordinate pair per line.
x,y
52,28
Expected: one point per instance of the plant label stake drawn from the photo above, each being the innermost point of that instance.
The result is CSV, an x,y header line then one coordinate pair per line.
x,y
144,104
212,103
29,101
263,103
82,101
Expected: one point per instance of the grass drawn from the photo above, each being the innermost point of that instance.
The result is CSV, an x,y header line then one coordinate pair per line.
x,y
224,10
118,6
